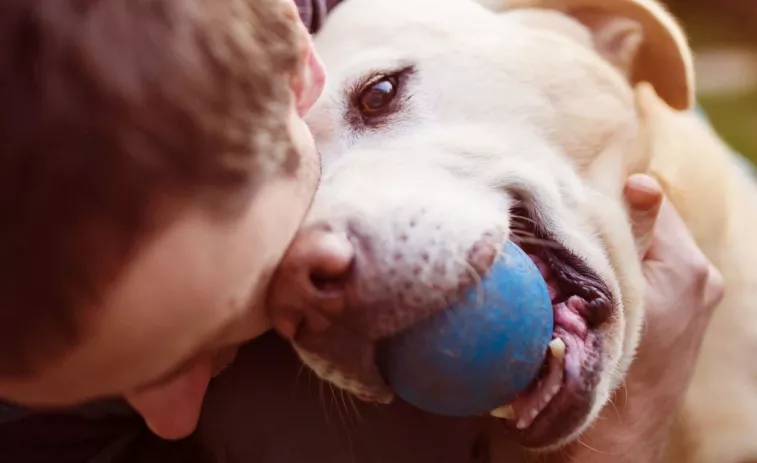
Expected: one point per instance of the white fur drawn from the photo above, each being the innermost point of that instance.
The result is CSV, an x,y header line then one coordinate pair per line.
x,y
480,123
523,100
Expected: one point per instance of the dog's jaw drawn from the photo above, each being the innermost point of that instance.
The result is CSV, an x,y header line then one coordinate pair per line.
x,y
427,219
409,263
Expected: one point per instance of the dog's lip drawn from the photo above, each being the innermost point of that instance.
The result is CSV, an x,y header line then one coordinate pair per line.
x,y
569,407
575,277
572,274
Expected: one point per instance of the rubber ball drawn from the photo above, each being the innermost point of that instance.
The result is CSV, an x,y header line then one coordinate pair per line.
x,y
482,351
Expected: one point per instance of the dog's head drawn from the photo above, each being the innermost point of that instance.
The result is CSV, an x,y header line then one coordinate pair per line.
x,y
447,128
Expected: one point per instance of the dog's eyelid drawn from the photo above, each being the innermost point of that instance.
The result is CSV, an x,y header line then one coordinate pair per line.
x,y
355,112
358,84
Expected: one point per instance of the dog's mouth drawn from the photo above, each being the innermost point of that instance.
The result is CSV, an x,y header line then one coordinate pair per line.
x,y
560,399
550,410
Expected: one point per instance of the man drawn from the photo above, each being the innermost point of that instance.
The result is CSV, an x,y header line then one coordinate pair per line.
x,y
153,169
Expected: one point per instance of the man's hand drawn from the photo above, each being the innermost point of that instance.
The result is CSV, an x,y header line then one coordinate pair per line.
x,y
682,291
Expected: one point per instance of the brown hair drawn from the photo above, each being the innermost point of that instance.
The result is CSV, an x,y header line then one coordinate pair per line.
x,y
108,106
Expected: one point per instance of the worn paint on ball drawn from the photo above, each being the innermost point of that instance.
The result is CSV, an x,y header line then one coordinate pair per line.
x,y
481,352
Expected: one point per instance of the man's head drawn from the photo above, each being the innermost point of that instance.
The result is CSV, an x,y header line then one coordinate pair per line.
x,y
153,168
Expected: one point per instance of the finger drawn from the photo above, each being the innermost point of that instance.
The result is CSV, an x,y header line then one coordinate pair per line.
x,y
644,196
672,241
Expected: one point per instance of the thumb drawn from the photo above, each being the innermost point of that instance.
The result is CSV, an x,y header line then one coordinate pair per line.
x,y
644,196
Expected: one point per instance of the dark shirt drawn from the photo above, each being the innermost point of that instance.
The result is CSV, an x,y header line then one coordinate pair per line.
x,y
265,408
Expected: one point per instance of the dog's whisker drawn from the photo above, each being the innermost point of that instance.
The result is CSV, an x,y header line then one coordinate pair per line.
x,y
352,418
593,449
336,405
474,275
614,405
322,400
539,242
522,218
358,414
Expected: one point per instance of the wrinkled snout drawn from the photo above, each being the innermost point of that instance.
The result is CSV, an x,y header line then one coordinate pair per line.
x,y
374,262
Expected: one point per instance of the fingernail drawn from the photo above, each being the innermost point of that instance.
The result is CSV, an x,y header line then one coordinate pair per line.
x,y
643,191
645,183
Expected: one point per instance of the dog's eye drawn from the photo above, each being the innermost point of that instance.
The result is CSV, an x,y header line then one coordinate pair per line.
x,y
375,99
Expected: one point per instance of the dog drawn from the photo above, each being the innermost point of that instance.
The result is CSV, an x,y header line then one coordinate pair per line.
x,y
447,128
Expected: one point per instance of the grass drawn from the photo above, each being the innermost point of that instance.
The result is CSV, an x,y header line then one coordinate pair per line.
x,y
735,119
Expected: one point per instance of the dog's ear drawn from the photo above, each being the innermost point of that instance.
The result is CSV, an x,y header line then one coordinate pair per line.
x,y
639,37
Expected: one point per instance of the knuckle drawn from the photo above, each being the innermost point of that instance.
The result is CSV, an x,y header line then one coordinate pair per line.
x,y
716,297
700,272
716,287
707,283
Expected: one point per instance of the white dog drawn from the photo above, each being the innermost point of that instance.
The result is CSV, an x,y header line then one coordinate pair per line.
x,y
447,128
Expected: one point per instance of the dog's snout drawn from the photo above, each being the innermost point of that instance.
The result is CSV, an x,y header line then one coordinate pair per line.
x,y
311,281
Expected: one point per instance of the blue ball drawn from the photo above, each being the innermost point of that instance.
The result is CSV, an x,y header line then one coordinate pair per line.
x,y
480,353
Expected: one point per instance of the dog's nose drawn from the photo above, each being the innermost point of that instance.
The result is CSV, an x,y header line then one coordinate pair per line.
x,y
310,283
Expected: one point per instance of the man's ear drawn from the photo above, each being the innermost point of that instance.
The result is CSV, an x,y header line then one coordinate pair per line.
x,y
639,37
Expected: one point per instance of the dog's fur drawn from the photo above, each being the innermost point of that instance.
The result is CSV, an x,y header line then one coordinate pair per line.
x,y
558,102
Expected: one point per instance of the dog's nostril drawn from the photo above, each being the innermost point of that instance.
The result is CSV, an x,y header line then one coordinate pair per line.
x,y
309,286
326,283
330,262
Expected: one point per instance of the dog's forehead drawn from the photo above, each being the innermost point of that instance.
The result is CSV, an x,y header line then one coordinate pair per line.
x,y
358,26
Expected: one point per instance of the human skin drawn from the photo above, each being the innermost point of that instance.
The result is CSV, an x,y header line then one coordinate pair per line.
x,y
190,296
683,289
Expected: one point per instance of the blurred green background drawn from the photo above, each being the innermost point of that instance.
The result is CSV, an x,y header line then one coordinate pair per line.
x,y
723,34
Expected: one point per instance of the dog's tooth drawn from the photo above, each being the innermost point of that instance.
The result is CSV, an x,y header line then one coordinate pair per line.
x,y
555,390
506,413
525,422
557,347
534,414
552,288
